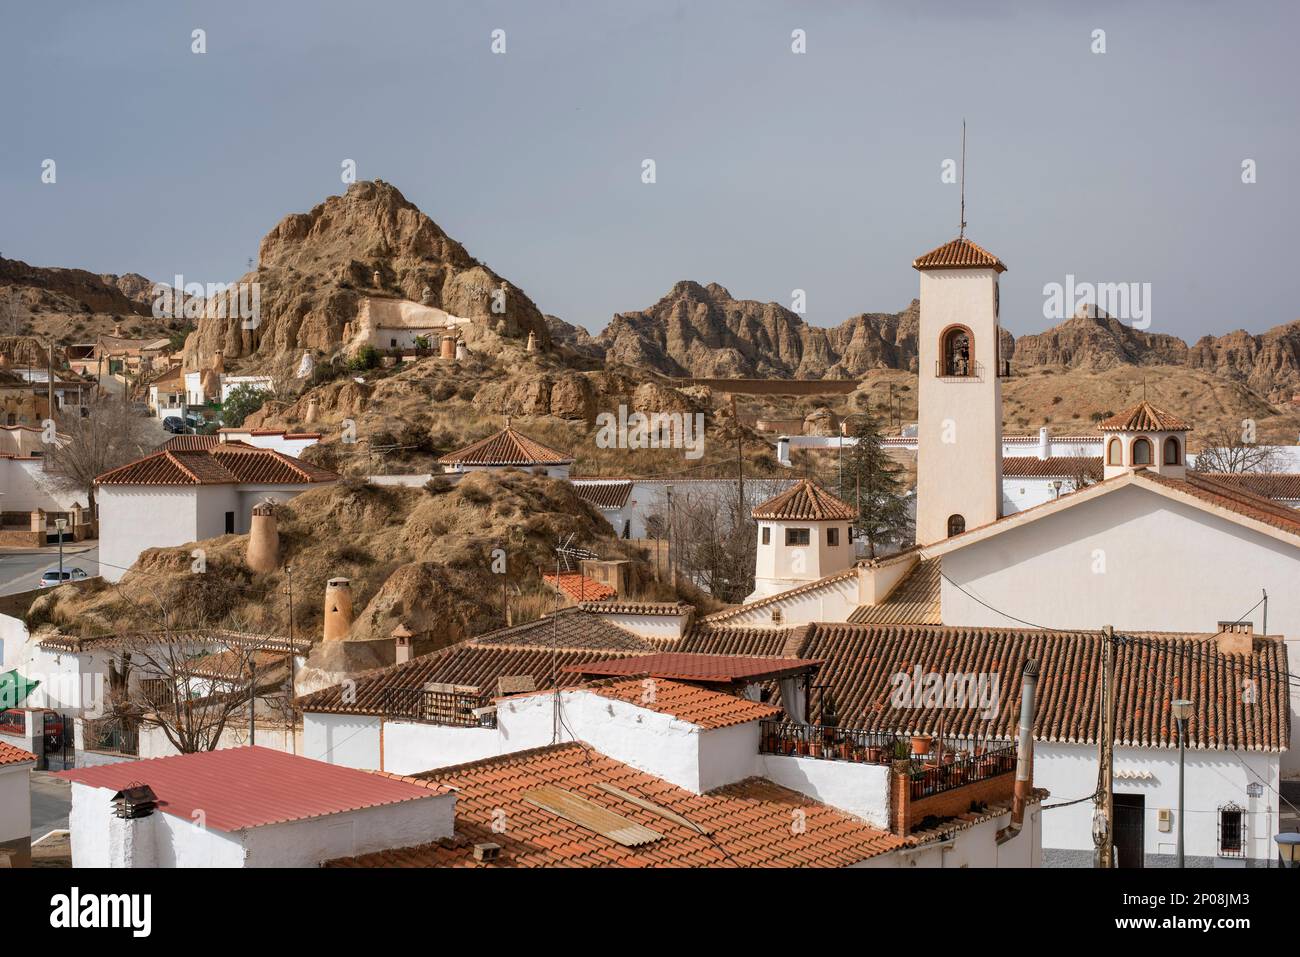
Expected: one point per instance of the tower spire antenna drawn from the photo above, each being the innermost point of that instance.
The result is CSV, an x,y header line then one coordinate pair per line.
x,y
961,233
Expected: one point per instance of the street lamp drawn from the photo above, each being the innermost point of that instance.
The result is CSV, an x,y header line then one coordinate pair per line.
x,y
1182,709
1288,848
60,524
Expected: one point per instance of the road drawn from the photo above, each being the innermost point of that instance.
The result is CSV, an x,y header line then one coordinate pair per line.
x,y
51,799
21,571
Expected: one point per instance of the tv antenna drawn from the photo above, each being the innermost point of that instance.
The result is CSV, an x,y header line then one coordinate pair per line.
x,y
564,551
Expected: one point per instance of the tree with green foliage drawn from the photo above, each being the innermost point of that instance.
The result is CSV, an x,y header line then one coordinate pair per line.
x,y
242,402
873,484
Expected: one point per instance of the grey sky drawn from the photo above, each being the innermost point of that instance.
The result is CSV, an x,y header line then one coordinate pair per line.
x,y
775,171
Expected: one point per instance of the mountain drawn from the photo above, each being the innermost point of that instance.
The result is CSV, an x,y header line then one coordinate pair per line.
x,y
73,305
314,268
702,331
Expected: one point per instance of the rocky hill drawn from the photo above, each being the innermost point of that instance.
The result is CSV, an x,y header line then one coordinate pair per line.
x,y
313,268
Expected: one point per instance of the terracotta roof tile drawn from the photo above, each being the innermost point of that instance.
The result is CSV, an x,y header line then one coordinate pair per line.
x,y
1285,485
537,649
806,501
12,754
239,788
757,642
958,254
506,447
748,822
1144,417
703,668
1060,466
189,443
579,587
610,607
914,601
1234,496
694,705
1152,669
603,494
226,463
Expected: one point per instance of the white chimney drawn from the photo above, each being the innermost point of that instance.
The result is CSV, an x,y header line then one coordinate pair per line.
x,y
1044,445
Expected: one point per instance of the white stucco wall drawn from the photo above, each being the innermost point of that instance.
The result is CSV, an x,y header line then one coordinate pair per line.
x,y
346,739
1213,779
15,801
858,789
830,601
779,566
133,518
411,747
650,626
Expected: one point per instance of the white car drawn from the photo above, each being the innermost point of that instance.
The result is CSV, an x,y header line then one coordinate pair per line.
x,y
52,577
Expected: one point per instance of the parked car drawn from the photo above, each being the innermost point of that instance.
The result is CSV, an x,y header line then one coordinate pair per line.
x,y
175,424
51,576
13,721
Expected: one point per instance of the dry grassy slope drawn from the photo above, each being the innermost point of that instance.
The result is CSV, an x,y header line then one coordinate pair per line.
x,y
412,555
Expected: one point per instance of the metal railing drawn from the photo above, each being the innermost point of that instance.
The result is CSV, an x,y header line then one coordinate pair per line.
x,y
451,708
832,744
973,371
958,769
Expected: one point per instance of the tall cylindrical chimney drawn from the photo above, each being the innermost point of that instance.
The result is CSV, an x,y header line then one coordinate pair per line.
x,y
338,608
263,539
1044,445
1024,752
447,348
313,409
462,351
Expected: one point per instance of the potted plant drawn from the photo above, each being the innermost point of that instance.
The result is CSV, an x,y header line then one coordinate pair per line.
x,y
846,750
921,744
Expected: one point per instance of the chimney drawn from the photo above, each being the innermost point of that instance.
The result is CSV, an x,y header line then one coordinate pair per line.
x,y
462,351
263,539
338,608
218,361
117,330
313,408
1024,752
447,348
1235,637
532,342
1044,445
402,643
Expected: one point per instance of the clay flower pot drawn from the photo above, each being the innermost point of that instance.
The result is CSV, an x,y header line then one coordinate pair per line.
x,y
921,744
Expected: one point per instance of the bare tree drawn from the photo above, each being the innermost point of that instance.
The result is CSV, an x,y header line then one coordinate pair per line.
x,y
86,446
1226,450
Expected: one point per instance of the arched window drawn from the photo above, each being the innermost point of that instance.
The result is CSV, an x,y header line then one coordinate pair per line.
x,y
956,525
1173,455
956,352
1115,452
1141,452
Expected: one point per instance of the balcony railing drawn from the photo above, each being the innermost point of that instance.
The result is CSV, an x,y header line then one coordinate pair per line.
x,y
453,709
959,371
832,744
958,768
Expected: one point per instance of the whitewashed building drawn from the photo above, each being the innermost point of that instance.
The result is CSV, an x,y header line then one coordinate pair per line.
x,y
15,805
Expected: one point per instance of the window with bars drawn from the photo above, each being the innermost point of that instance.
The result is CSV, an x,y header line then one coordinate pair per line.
x,y
1232,831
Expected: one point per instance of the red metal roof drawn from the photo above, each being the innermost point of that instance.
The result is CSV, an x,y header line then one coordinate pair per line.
x,y
239,788
715,669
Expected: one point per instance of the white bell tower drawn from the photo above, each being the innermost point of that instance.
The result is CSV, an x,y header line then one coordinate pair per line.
x,y
959,451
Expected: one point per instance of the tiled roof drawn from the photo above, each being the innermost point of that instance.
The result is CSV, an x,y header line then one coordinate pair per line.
x,y
12,754
694,705
672,608
239,788
1144,417
1060,466
1152,669
757,642
603,494
1233,496
579,587
806,501
746,824
189,443
227,463
703,668
958,254
537,649
507,447
914,601
1268,484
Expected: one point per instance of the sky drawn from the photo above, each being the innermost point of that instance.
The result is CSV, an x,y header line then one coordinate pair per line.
x,y
774,171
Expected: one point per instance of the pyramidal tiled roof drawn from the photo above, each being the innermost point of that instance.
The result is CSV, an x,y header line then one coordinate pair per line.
x,y
507,447
229,463
959,254
1144,417
806,501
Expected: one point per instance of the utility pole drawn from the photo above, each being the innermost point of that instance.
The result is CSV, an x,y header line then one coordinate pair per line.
x,y
252,697
740,464
672,560
1104,832
49,382
293,668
